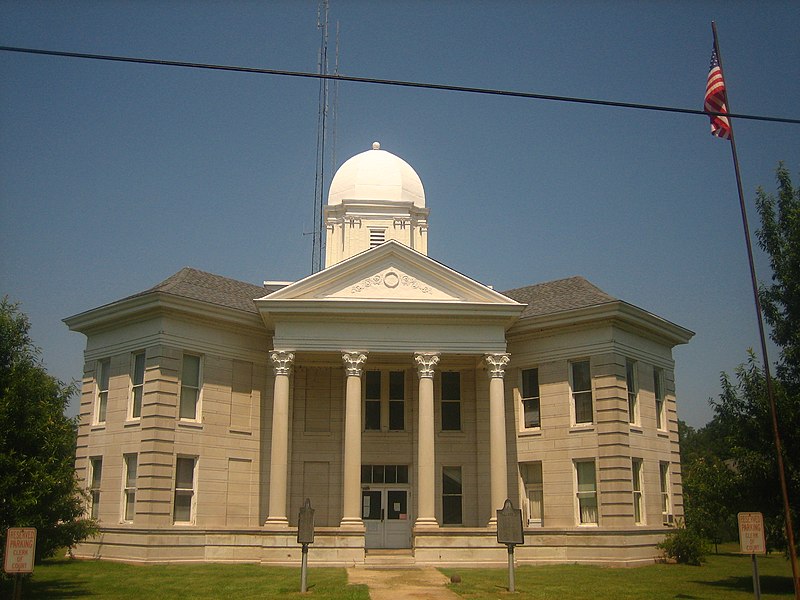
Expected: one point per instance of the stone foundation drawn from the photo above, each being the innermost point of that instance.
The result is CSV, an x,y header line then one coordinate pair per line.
x,y
337,547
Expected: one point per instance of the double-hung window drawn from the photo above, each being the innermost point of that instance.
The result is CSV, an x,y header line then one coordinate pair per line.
x,y
101,402
451,401
658,389
452,496
184,506
666,503
633,392
384,400
532,479
137,385
636,480
190,388
372,401
95,478
130,463
586,492
530,398
581,386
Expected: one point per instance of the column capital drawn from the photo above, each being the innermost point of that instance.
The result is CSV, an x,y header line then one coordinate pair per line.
x,y
425,363
353,362
281,361
496,364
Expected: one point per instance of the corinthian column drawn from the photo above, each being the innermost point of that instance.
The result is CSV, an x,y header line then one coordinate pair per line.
x,y
279,452
351,510
498,466
426,460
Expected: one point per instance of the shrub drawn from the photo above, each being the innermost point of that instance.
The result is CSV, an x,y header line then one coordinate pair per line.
x,y
684,546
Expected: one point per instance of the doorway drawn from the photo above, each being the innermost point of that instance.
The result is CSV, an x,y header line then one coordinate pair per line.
x,y
385,511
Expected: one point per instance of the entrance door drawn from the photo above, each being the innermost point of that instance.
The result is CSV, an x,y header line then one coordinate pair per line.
x,y
386,517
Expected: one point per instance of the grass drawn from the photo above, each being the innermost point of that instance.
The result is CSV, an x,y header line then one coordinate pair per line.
x,y
723,576
727,575
64,578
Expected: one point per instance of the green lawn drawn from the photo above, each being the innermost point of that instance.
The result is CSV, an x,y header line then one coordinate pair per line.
x,y
723,576
64,578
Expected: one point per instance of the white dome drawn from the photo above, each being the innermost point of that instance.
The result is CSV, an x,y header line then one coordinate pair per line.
x,y
376,175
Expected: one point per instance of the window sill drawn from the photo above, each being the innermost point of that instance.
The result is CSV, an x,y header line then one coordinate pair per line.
x,y
636,428
662,433
98,427
136,423
190,425
240,432
452,433
532,432
588,525
581,428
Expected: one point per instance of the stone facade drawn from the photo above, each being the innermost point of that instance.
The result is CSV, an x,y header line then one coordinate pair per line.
x,y
405,400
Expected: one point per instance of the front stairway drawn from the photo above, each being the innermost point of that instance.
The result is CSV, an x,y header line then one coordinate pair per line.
x,y
385,558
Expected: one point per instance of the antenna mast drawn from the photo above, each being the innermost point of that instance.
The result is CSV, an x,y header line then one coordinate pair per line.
x,y
326,142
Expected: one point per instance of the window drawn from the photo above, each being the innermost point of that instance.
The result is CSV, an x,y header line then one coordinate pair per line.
x,y
137,386
636,479
532,480
129,486
530,398
666,504
397,401
190,388
633,392
384,390
586,485
101,403
95,477
384,473
183,510
376,237
451,401
581,384
372,402
451,496
658,388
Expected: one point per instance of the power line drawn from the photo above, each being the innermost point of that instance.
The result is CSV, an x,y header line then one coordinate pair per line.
x,y
397,83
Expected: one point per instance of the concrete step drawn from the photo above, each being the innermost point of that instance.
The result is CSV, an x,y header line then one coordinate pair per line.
x,y
389,559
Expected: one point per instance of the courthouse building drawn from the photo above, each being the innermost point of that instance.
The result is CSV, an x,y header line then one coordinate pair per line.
x,y
404,399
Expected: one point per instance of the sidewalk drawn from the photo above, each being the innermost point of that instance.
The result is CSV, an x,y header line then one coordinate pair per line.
x,y
402,584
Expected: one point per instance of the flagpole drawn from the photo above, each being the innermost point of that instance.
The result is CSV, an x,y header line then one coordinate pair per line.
x,y
767,376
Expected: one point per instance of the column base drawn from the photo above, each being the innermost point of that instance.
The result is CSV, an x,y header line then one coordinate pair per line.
x,y
492,524
352,523
277,522
426,523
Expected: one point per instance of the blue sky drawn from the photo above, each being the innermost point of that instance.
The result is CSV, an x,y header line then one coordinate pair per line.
x,y
114,176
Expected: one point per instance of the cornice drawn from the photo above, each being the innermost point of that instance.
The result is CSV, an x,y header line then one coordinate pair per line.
x,y
618,313
138,308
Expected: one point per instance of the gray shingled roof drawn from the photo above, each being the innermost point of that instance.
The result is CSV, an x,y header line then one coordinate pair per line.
x,y
207,287
541,299
558,296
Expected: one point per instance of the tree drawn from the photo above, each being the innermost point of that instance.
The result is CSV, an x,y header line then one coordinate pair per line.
x,y
38,486
739,437
779,237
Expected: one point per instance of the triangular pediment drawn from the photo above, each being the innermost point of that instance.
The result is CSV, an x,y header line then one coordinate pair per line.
x,y
390,272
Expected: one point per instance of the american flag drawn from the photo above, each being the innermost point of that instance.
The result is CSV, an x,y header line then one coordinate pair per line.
x,y
715,99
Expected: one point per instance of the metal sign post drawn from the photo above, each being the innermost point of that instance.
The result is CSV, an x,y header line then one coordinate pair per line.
x,y
305,536
752,542
509,532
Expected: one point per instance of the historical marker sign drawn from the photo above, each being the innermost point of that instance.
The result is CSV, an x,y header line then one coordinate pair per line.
x,y
509,525
751,533
20,550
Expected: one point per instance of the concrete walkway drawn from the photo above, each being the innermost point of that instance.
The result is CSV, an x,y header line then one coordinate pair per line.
x,y
402,584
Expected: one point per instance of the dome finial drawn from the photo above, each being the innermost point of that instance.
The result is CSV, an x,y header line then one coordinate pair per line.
x,y
376,145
